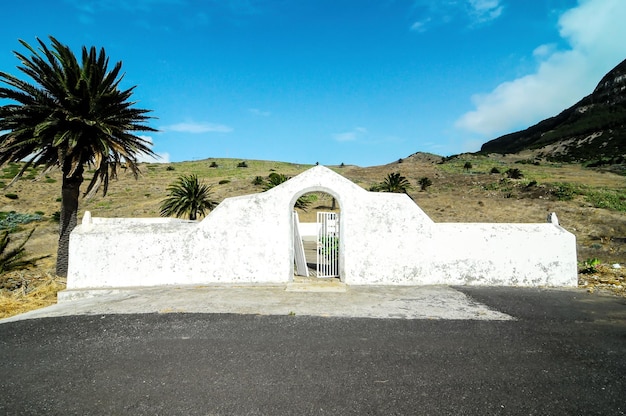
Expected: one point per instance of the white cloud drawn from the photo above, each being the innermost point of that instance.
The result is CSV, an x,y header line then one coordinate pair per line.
x,y
163,157
143,6
420,26
543,51
258,112
349,136
195,128
595,31
446,11
485,10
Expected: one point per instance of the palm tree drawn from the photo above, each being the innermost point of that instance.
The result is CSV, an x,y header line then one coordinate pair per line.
x,y
275,179
70,115
394,182
188,196
424,183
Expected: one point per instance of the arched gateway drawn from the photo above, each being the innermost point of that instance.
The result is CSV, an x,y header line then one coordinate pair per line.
x,y
386,239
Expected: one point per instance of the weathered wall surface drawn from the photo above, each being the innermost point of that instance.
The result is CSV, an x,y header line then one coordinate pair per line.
x,y
385,239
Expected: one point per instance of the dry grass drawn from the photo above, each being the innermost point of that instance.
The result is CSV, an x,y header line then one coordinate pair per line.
x,y
605,278
36,291
456,195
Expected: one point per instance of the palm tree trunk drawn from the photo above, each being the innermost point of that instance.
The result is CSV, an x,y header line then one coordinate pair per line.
x,y
70,192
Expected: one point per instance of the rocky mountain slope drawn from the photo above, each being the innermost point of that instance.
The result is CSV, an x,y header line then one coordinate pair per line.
x,y
592,130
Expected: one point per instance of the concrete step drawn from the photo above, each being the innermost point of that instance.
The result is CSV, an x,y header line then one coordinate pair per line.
x,y
314,284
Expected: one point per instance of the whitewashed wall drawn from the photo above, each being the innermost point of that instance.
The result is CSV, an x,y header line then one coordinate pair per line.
x,y
385,239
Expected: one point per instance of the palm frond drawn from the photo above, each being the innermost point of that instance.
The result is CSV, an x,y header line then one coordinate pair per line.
x,y
13,259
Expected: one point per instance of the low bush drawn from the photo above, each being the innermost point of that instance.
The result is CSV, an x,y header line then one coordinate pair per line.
x,y
608,199
589,266
563,192
11,220
514,173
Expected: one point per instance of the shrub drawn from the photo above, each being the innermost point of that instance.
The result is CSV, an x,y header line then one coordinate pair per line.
x,y
224,181
528,162
257,181
242,164
11,196
589,266
467,166
495,170
563,192
56,216
425,183
514,173
607,199
213,164
170,168
10,221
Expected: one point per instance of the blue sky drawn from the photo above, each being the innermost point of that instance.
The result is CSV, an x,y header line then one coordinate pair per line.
x,y
330,81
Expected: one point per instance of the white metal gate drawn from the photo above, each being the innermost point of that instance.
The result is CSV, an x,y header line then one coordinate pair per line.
x,y
298,248
328,244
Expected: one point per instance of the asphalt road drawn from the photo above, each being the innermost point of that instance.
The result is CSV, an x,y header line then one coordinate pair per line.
x,y
563,354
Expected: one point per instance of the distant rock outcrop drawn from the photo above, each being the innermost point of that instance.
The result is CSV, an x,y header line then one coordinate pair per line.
x,y
592,130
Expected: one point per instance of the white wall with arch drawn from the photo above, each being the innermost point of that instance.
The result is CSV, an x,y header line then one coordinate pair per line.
x,y
386,239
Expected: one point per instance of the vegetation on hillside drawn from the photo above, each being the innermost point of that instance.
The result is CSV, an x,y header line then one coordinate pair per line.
x,y
588,202
592,130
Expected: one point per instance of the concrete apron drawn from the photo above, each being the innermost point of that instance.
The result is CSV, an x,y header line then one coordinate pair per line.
x,y
300,298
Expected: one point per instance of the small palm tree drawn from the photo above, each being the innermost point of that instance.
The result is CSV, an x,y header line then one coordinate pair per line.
x,y
70,115
275,179
394,182
424,183
188,196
